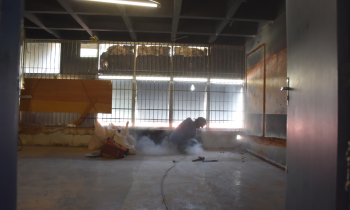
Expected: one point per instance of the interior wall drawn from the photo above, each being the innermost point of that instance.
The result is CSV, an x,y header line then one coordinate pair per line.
x,y
274,37
72,63
273,144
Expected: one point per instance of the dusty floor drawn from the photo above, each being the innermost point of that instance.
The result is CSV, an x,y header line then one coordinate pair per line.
x,y
63,178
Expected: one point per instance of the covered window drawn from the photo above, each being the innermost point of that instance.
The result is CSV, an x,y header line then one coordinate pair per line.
x,y
89,50
41,58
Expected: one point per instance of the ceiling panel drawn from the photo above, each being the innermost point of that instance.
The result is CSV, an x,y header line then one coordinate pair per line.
x,y
104,22
153,37
259,9
197,25
114,36
37,34
58,21
151,24
42,5
241,27
204,8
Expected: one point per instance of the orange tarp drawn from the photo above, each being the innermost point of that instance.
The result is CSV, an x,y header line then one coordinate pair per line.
x,y
64,95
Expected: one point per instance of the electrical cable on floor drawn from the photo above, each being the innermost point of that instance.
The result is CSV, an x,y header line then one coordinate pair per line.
x,y
166,173
21,144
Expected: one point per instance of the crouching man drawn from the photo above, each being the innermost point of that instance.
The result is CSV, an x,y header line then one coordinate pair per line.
x,y
183,135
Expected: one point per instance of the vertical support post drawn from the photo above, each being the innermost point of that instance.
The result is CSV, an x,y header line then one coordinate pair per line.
x,y
264,95
207,89
171,88
134,88
208,104
11,12
171,103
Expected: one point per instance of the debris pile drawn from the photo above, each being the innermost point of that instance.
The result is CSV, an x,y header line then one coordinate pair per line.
x,y
112,140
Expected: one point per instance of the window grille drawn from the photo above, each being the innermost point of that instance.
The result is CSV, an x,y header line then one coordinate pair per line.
x,y
116,58
153,59
226,106
190,61
189,101
121,104
152,104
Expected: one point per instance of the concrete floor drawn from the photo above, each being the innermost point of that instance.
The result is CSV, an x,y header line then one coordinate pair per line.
x,y
63,178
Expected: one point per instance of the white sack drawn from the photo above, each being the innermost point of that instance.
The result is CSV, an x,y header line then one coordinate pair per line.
x,y
95,143
99,137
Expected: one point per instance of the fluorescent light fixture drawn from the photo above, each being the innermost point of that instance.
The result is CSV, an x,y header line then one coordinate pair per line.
x,y
227,81
182,79
153,78
115,77
130,2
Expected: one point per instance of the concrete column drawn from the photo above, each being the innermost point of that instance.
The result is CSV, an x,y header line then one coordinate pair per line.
x,y
10,32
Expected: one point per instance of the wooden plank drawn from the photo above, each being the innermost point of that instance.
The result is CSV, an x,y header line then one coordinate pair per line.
x,y
63,95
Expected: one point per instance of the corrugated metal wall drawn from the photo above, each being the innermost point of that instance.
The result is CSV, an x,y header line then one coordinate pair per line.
x,y
226,61
66,59
116,58
191,61
55,119
153,59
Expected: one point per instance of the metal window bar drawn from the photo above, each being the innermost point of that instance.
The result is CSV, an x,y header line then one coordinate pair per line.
x,y
226,106
189,101
121,104
152,104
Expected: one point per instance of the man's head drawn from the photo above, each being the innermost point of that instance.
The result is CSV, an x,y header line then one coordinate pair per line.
x,y
200,122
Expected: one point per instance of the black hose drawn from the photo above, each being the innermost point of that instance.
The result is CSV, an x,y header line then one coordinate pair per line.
x,y
166,173
19,139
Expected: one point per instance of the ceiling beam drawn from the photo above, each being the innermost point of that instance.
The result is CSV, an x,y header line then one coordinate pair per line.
x,y
176,17
48,12
232,10
36,20
59,29
75,16
143,31
127,22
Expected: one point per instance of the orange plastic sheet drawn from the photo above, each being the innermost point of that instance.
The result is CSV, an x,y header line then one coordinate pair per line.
x,y
64,95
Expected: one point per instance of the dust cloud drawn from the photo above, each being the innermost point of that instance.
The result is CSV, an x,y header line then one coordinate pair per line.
x,y
193,150
146,146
